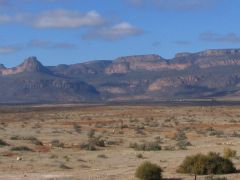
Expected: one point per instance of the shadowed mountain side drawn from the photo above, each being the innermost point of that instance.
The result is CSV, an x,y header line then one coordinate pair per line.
x,y
32,87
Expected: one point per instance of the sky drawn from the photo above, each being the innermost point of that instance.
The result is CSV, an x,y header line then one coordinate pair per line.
x,y
74,31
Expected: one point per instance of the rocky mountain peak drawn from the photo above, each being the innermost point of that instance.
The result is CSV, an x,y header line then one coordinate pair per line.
x,y
31,64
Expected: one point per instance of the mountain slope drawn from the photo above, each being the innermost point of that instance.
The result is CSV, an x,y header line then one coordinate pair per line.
x,y
31,82
206,74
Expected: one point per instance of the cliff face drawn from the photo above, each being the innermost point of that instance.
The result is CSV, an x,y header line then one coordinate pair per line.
x,y
145,62
182,61
210,73
166,83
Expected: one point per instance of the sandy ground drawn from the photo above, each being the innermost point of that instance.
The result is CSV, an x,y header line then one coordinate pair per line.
x,y
119,124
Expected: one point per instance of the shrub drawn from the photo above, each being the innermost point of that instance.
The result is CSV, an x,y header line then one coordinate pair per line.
x,y
158,139
180,136
21,148
92,143
139,130
183,144
214,178
149,171
113,142
169,148
16,137
32,139
229,153
88,146
235,134
36,142
98,142
63,166
140,156
102,156
147,146
57,143
214,132
3,143
201,164
77,128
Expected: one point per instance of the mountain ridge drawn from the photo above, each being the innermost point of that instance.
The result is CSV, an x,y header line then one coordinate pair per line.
x,y
211,73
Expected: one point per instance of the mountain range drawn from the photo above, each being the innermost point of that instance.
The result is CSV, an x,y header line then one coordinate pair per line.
x,y
213,73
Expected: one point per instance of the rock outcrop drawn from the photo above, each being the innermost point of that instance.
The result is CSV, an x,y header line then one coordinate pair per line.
x,y
31,64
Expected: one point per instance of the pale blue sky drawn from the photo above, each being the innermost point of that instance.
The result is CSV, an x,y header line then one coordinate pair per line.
x,y
72,31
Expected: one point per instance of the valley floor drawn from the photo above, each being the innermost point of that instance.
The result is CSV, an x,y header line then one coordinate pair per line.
x,y
53,142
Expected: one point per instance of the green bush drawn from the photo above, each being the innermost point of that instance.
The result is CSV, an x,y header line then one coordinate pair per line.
x,y
21,148
3,143
201,164
147,146
149,171
229,153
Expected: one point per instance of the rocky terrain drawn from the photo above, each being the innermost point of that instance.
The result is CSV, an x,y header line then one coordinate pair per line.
x,y
206,74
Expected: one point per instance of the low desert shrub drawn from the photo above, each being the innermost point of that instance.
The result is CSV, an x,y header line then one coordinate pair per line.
x,y
213,132
183,144
21,148
149,171
88,146
139,130
77,128
3,143
147,146
102,156
92,144
16,137
180,136
214,178
229,153
57,143
113,142
36,142
235,134
32,139
140,156
209,164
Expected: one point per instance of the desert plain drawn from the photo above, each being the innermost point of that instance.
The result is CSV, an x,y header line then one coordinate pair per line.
x,y
108,142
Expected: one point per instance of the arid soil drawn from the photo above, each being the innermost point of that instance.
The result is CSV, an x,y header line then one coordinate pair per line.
x,y
97,142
